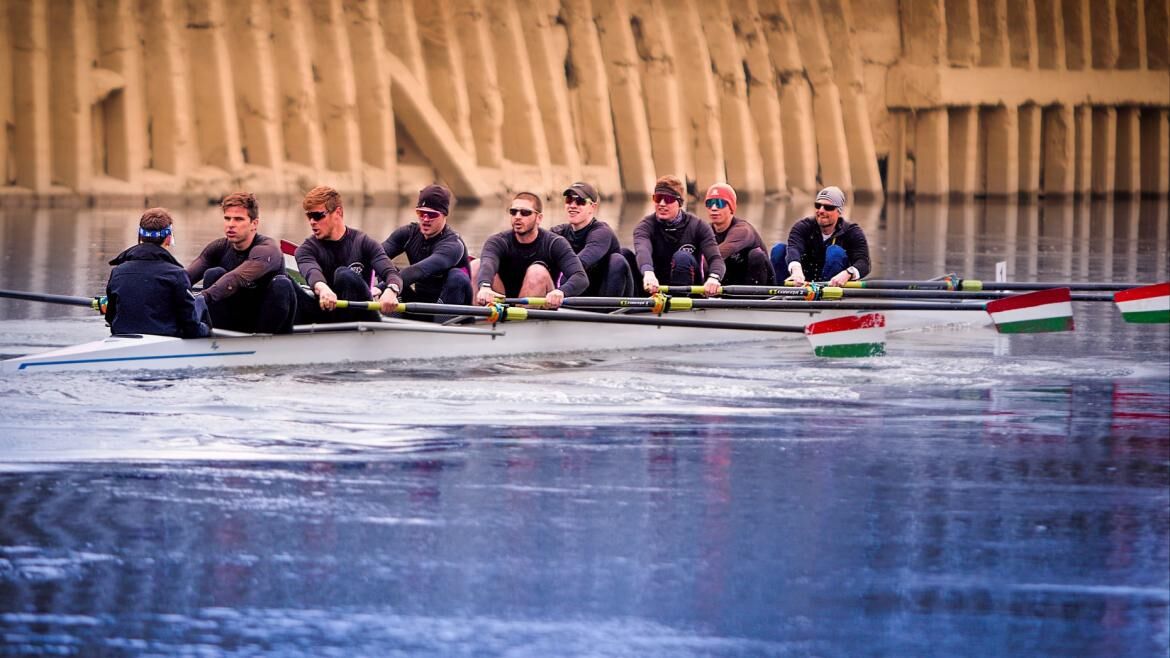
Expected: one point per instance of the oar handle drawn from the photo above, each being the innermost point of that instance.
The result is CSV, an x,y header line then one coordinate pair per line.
x,y
95,303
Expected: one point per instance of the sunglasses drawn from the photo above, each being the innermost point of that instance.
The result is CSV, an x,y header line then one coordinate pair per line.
x,y
524,212
824,206
427,214
717,203
666,198
575,200
317,215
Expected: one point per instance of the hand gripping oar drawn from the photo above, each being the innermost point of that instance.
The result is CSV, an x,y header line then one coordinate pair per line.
x,y
863,335
96,303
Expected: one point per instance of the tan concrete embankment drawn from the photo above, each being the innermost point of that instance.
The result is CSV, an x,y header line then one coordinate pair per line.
x,y
151,98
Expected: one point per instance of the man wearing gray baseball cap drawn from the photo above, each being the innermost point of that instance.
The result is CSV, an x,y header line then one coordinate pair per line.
x,y
823,245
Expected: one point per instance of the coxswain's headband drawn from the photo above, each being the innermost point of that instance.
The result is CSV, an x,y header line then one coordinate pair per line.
x,y
147,233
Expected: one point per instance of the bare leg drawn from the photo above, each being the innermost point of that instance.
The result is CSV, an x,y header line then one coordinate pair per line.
x,y
537,281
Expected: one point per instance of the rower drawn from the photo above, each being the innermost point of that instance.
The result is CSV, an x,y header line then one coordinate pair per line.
x,y
243,273
527,261
148,291
740,245
438,271
337,262
673,245
824,245
595,244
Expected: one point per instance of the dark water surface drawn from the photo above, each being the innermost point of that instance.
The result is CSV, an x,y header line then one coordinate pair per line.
x,y
967,494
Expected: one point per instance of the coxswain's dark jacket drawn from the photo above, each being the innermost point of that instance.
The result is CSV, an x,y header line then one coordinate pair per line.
x,y
148,293
805,244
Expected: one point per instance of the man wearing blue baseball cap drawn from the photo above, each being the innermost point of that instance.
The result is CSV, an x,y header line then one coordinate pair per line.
x,y
823,245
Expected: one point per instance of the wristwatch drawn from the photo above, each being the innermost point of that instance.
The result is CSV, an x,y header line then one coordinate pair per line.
x,y
396,288
853,273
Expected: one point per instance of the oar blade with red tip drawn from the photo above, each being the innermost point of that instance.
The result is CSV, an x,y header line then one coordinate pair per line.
x,y
1034,312
1145,305
849,336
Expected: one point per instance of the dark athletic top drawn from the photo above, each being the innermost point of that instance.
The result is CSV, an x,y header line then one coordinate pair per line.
x,y
805,244
149,293
317,259
593,243
655,242
739,238
429,259
504,255
250,268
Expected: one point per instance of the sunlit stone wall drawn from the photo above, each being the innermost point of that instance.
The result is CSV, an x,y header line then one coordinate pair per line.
x,y
133,98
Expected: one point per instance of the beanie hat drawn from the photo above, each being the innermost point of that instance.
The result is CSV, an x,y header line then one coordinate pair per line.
x,y
831,195
435,197
722,191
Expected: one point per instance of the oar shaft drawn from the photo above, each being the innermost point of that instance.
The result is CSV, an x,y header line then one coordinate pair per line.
x,y
687,303
974,285
69,300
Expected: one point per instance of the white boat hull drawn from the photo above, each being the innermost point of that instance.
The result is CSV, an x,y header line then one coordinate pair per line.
x,y
397,340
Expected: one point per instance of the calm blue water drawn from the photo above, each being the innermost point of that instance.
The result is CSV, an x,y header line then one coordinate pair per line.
x,y
967,494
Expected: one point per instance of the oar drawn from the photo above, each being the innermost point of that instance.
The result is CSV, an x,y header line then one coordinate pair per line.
x,y
95,303
289,249
1146,305
817,291
862,336
975,285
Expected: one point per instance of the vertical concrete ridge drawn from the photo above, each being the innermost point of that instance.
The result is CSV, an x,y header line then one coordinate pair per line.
x,y
375,109
1050,33
832,149
400,28
1059,151
523,129
254,74
1128,175
796,119
1030,154
656,63
443,59
700,98
547,47
213,83
303,136
995,50
167,87
1104,175
7,111
1106,37
589,101
962,32
1002,126
1131,51
485,104
1155,151
123,112
1157,34
1022,37
931,151
963,147
741,146
70,63
846,60
631,128
336,91
763,93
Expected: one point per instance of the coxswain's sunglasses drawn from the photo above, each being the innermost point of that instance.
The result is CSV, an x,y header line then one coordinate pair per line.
x,y
575,200
666,198
525,212
717,203
316,215
427,214
824,206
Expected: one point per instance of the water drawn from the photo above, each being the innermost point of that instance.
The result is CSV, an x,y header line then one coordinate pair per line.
x,y
967,494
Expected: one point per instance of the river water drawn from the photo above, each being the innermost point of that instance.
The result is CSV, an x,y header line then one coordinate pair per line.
x,y
966,494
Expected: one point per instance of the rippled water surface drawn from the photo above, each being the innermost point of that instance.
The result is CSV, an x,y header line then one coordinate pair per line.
x,y
966,494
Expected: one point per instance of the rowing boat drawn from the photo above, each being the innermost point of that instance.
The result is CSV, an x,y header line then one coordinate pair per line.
x,y
399,340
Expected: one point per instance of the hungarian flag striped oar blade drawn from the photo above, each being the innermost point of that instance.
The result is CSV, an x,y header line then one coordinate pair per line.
x,y
1033,312
1148,304
849,335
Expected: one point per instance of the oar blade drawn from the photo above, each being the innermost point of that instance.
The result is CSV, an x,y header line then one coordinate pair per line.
x,y
289,249
1145,305
1034,312
849,336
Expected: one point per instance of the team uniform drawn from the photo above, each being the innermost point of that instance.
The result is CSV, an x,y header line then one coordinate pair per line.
x,y
681,252
820,257
346,266
246,290
149,293
744,255
600,253
438,271
504,255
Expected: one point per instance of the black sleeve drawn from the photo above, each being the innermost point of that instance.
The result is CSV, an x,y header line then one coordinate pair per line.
x,y
575,281
857,248
706,242
596,246
396,243
489,259
643,248
308,265
797,238
186,314
448,253
373,253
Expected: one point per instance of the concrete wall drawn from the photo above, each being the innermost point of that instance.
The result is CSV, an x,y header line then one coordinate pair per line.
x,y
129,98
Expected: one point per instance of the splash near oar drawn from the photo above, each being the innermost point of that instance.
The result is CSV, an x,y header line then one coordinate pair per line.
x,y
1034,312
849,336
1145,305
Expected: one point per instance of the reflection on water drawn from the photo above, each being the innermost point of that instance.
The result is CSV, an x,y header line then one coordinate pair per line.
x,y
66,251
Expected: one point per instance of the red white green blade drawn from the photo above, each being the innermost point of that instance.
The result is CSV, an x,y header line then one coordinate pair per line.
x,y
1033,312
1148,304
289,249
850,335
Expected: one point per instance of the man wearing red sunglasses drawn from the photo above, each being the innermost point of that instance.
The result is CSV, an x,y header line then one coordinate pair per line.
x,y
673,245
824,245
438,270
740,244
595,244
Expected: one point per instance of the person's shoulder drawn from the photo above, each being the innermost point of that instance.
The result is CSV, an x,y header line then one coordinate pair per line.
x,y
560,229
406,230
263,240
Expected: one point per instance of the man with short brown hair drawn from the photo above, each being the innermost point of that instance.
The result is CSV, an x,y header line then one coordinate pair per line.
x,y
243,273
336,261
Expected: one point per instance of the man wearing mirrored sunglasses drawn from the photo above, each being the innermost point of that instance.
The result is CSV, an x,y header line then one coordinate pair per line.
x,y
337,262
527,261
740,244
824,245
243,276
438,271
595,244
674,246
